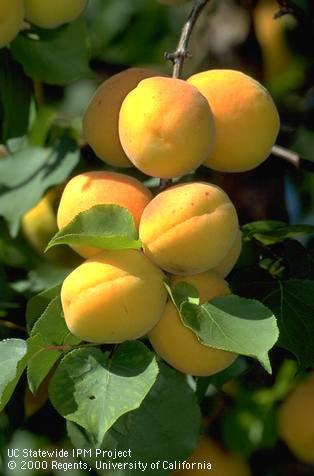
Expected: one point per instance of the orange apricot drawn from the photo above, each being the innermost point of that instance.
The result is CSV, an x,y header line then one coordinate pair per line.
x,y
296,420
227,263
166,127
113,297
53,13
246,118
188,228
100,123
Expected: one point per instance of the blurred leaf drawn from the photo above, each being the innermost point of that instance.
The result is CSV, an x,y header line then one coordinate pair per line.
x,y
117,28
285,381
49,330
46,275
304,142
271,231
57,56
15,98
37,304
239,325
292,302
26,175
14,252
41,125
249,427
94,390
102,226
13,359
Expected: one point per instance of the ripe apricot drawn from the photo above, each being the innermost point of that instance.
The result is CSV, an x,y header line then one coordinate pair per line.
x,y
113,297
189,228
246,118
178,345
223,463
100,188
39,225
166,127
277,57
53,13
296,420
11,18
101,119
227,263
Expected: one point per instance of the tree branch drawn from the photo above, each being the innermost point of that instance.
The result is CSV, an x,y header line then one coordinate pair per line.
x,y
182,53
293,158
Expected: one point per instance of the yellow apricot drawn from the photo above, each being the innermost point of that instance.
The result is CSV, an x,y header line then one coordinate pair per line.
x,y
101,119
113,297
270,33
178,345
11,18
223,463
189,228
166,127
296,420
39,225
101,188
246,118
227,263
53,13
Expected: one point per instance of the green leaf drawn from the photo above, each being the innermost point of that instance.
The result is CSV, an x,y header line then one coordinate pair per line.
x,y
170,408
15,98
292,302
40,127
239,325
102,226
183,292
13,355
94,390
58,57
37,304
49,330
41,363
249,427
44,276
271,231
15,252
26,175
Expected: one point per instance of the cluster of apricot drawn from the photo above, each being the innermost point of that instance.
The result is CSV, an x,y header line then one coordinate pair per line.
x,y
166,127
42,13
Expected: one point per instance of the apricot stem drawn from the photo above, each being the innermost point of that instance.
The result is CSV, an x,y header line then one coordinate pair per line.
x,y
181,54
